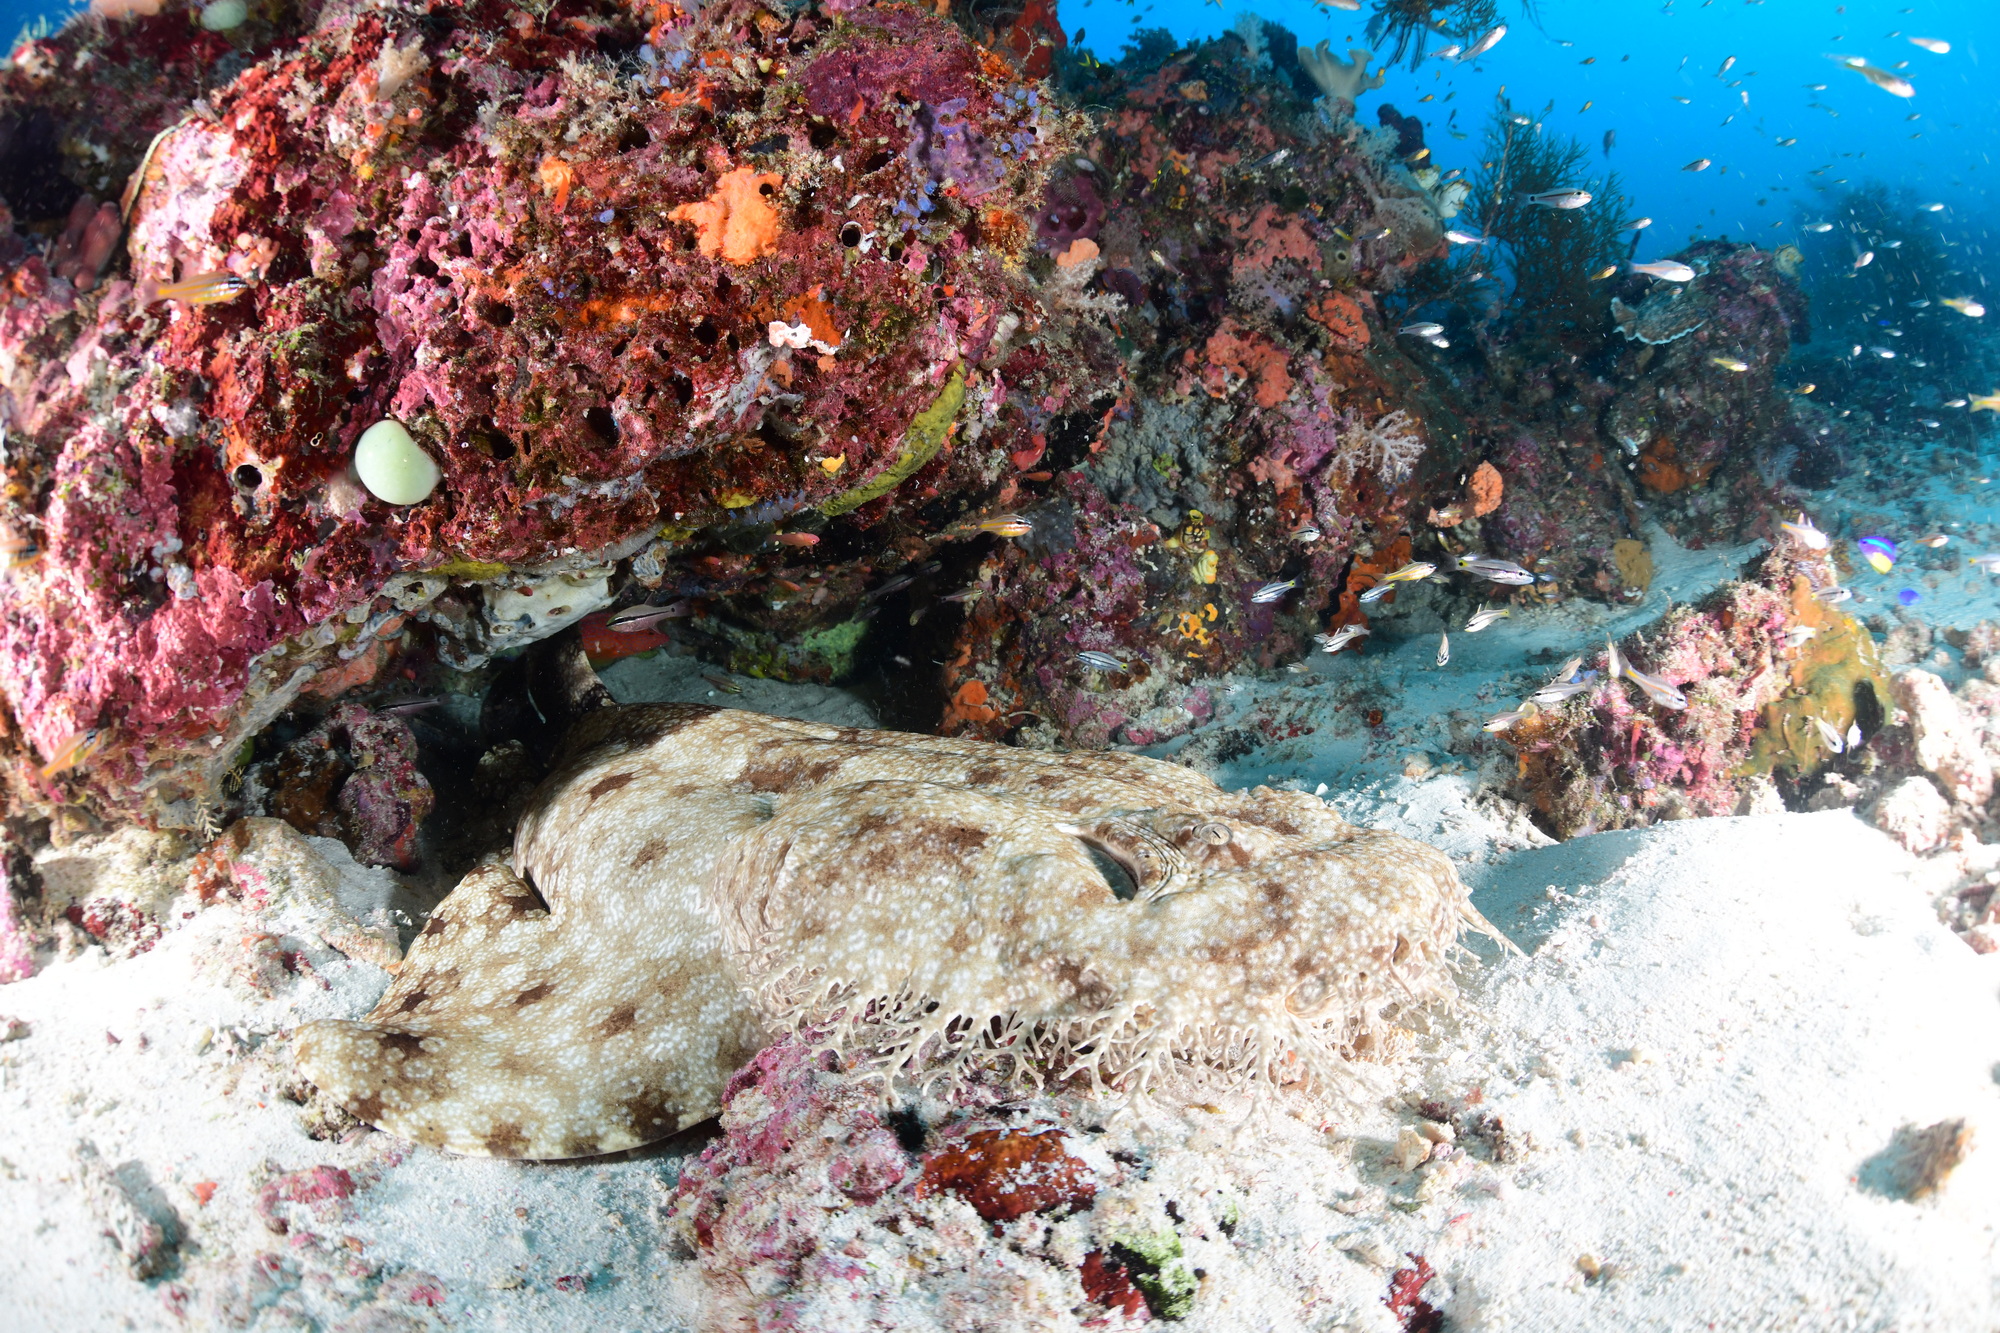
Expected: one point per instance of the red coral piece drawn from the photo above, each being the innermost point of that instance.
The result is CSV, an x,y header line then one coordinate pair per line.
x,y
1406,1302
1107,1283
1008,1173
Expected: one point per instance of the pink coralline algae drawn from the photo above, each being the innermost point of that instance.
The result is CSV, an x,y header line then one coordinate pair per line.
x,y
319,1188
1242,448
355,777
820,1199
493,233
1614,758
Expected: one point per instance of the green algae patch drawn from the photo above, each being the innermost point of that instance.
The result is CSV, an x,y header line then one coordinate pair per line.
x,y
921,442
1159,1272
822,656
459,568
1836,677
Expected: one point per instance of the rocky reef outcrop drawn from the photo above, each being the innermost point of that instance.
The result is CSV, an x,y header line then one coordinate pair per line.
x,y
821,338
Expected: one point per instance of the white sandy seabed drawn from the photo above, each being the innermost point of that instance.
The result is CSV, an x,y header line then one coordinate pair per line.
x,y
1701,1070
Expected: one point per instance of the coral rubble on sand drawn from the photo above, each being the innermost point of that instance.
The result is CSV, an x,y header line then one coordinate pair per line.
x,y
1768,672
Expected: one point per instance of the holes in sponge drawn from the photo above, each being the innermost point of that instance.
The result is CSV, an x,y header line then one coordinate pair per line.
x,y
248,476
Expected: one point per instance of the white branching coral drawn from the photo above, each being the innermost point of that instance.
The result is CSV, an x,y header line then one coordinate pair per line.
x,y
1388,447
693,880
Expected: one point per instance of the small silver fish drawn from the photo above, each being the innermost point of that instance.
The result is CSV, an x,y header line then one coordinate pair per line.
x,y
1444,649
1506,720
1495,570
1667,270
1556,692
1854,735
887,588
1864,259
1340,638
1557,198
1457,237
1833,596
723,683
634,619
1273,592
1376,593
409,705
1487,41
1568,670
1805,533
1990,563
1830,736
1414,572
1661,693
1305,534
1881,78
1821,227
1798,635
1934,541
1422,329
1098,661
1485,616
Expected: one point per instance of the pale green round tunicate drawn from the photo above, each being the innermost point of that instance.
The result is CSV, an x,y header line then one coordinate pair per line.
x,y
222,15
391,465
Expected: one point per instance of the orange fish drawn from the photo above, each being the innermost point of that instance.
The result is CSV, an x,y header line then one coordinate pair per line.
x,y
76,750
202,289
1007,525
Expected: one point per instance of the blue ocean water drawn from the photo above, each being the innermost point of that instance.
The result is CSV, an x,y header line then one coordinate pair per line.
x,y
1653,75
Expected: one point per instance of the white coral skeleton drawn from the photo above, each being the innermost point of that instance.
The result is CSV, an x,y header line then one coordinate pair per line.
x,y
692,881
1389,447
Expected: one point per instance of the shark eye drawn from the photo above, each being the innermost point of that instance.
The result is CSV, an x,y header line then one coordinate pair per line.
x,y
1124,884
1309,997
1213,833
